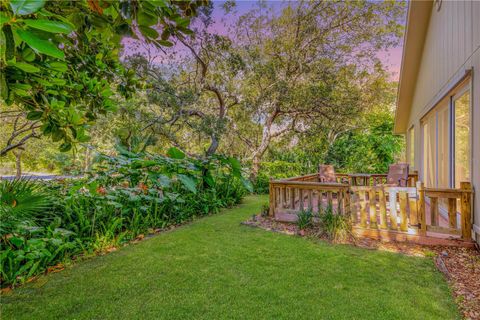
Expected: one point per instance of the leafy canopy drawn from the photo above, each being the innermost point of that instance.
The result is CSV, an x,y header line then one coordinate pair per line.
x,y
60,59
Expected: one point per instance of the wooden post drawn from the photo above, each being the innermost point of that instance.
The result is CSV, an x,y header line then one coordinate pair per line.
x,y
302,199
393,209
421,208
383,209
452,213
412,206
353,207
403,211
340,209
319,201
373,208
309,201
271,192
292,198
363,209
434,211
280,197
466,210
330,199
346,203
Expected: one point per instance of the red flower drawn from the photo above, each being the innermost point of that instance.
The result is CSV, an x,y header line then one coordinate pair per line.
x,y
143,187
101,190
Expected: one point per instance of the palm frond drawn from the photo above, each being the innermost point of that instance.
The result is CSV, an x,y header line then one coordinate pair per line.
x,y
20,200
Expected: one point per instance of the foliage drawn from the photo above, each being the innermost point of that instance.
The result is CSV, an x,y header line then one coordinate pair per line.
x,y
275,170
305,219
335,227
265,210
370,149
126,196
20,201
313,65
60,60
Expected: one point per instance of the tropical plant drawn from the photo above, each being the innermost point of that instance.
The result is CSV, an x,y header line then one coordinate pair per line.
x,y
336,227
20,201
124,197
305,219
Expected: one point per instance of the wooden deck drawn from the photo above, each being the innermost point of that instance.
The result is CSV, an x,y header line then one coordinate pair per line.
x,y
414,213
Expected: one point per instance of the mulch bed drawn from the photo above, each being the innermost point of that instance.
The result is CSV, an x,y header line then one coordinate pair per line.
x,y
461,266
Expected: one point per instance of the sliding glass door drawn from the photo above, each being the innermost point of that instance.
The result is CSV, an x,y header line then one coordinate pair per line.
x,y
461,136
436,146
446,134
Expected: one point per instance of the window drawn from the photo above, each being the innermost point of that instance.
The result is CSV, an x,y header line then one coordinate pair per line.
x,y
461,136
446,142
430,150
411,147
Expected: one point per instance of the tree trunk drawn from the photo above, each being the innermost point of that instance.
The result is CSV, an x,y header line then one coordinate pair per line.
x,y
213,146
18,161
86,163
258,154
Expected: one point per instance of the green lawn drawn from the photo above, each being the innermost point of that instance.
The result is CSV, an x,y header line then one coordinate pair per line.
x,y
216,268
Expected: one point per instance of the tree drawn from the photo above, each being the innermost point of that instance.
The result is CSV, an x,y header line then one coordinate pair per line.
x,y
313,64
201,91
59,60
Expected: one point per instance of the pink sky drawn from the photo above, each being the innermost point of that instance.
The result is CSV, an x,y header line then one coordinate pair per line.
x,y
392,58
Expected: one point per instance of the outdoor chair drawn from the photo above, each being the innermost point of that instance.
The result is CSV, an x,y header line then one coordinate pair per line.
x,y
398,175
326,173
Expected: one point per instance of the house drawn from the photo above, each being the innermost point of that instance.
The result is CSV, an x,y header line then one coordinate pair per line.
x,y
438,104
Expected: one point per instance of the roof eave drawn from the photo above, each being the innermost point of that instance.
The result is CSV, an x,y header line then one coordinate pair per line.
x,y
418,18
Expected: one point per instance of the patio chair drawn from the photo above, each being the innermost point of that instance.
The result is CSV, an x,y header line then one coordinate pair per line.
x,y
398,175
326,173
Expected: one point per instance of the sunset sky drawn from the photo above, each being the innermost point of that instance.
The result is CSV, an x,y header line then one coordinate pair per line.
x,y
391,58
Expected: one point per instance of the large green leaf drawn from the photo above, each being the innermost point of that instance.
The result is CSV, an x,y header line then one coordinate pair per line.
x,y
3,45
236,166
34,115
3,86
58,66
50,25
40,45
23,7
3,18
28,54
145,18
27,67
247,184
175,153
188,183
148,32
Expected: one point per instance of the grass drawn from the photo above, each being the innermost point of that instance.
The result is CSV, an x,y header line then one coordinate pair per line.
x,y
216,268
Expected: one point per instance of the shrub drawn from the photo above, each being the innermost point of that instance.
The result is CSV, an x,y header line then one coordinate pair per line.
x,y
276,170
265,210
20,200
124,197
305,219
335,227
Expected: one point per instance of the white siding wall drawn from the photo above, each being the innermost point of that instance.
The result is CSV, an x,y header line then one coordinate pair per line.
x,y
452,46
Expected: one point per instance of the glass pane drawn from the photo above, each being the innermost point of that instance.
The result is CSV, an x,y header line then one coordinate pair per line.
x,y
443,147
462,139
429,149
412,148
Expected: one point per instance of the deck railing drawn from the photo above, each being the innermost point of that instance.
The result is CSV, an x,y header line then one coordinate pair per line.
x,y
379,210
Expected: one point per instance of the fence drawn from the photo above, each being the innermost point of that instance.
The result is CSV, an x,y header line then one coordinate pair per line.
x,y
380,211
